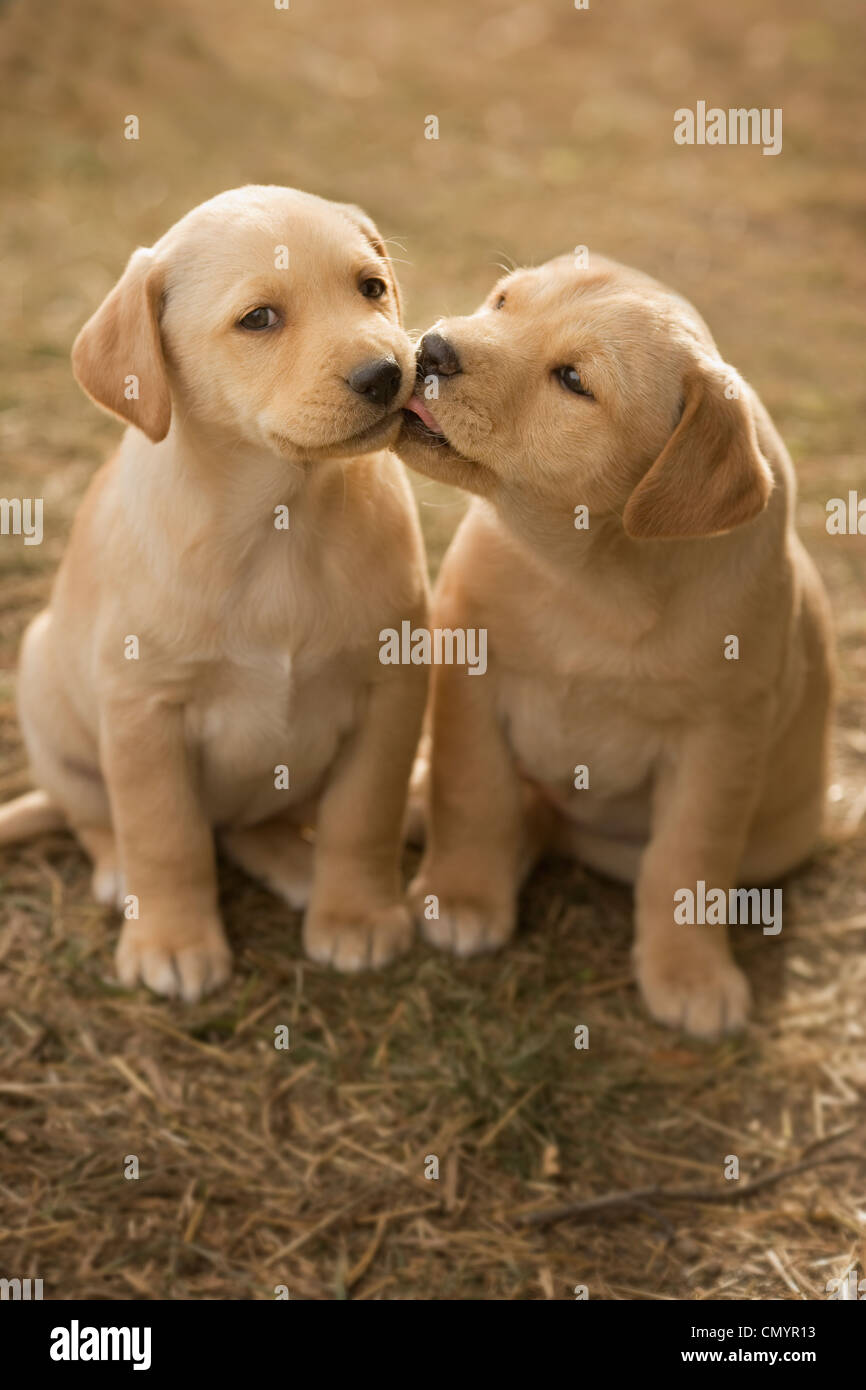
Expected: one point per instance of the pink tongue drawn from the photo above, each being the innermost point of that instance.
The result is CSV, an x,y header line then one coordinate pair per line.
x,y
416,405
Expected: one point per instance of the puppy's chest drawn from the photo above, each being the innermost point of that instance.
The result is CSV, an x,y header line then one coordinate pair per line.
x,y
282,655
559,725
242,701
274,712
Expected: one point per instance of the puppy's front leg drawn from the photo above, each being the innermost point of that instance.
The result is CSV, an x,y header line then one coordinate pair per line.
x,y
176,945
357,915
465,895
703,804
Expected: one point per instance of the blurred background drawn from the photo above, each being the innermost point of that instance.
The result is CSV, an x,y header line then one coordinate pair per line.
x,y
555,130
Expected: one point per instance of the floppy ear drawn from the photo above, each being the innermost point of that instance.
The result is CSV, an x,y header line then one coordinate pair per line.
x,y
374,236
711,475
117,357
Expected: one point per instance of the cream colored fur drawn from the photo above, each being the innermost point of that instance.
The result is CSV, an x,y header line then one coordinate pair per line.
x,y
257,647
606,646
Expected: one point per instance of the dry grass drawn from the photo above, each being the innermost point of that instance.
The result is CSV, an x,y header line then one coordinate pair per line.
x,y
261,1167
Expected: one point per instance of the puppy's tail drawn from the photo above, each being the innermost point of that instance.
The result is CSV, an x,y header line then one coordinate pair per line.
x,y
29,815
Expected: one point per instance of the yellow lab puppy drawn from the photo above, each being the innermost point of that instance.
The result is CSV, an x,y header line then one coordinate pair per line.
x,y
659,659
209,659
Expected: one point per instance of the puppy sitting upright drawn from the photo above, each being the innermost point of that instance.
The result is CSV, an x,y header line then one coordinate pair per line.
x,y
209,657
659,674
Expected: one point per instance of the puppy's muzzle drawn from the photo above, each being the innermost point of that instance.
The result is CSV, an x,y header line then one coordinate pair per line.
x,y
437,357
378,381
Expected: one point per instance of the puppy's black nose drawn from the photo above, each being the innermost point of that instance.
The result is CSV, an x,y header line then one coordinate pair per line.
x,y
437,357
379,381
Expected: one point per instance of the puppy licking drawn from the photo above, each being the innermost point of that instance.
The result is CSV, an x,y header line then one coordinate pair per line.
x,y
659,653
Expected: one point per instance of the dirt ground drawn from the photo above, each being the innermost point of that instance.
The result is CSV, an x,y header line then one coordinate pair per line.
x,y
305,1168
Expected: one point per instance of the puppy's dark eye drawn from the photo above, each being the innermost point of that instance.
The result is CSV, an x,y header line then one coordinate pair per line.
x,y
257,319
499,301
373,288
569,377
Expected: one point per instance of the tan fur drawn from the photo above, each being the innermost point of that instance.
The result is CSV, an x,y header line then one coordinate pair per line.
x,y
258,647
606,645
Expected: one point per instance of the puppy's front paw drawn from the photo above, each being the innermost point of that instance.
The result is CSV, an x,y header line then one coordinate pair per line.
x,y
466,924
702,994
178,958
357,940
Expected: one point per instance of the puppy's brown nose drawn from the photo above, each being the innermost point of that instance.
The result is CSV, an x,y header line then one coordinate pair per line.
x,y
379,381
437,357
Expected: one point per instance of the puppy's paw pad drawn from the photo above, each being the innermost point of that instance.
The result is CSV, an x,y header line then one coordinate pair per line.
x,y
186,964
364,941
704,1002
465,926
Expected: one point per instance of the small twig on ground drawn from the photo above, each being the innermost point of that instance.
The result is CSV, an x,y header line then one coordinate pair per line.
x,y
643,1196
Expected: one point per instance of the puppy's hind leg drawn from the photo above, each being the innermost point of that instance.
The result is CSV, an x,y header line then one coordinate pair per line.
x,y
106,883
479,846
275,853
